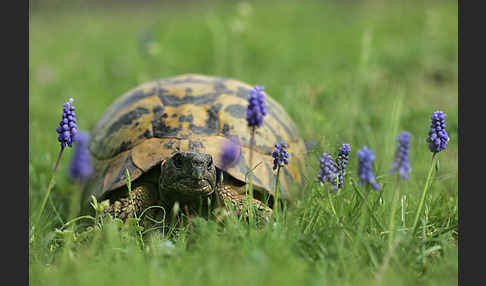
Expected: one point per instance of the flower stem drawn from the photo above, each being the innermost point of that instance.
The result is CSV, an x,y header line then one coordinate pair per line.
x,y
365,201
403,210
277,194
51,184
424,193
392,214
250,179
332,206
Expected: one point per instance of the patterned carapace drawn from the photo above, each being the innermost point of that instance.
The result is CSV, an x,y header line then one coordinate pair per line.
x,y
188,113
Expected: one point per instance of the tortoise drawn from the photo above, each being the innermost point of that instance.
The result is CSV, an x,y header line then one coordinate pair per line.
x,y
169,134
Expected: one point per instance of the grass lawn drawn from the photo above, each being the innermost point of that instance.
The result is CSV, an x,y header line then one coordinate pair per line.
x,y
356,72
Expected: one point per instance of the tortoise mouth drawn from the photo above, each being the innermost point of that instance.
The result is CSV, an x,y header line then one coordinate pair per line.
x,y
193,187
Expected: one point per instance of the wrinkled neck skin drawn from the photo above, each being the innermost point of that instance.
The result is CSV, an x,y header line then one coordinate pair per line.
x,y
187,178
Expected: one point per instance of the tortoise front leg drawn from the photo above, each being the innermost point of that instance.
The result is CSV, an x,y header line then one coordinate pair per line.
x,y
230,194
144,196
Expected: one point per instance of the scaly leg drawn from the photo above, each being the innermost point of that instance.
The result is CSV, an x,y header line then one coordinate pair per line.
x,y
144,195
238,201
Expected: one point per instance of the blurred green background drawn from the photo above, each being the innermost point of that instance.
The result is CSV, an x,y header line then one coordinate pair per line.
x,y
353,72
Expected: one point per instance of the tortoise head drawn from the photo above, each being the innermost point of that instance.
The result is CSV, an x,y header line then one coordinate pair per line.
x,y
187,176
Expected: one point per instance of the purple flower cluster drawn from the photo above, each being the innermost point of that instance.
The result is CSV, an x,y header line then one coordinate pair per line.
x,y
81,168
365,159
342,161
230,153
67,126
280,155
438,137
256,107
401,163
328,171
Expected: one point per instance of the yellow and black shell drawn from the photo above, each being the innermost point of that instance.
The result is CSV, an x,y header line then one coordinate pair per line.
x,y
189,113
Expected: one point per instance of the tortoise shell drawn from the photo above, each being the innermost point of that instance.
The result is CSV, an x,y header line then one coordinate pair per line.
x,y
189,113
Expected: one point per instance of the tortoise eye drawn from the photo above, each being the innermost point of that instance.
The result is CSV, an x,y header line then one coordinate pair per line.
x,y
177,161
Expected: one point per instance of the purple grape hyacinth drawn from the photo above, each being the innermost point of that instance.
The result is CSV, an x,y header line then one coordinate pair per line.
x,y
365,159
67,128
328,171
342,161
230,154
438,137
280,155
256,107
81,168
67,132
401,163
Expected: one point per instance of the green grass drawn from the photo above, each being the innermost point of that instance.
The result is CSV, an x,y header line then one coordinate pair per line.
x,y
355,73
